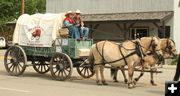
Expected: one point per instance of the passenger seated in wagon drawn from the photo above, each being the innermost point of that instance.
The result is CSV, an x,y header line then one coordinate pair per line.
x,y
70,24
84,31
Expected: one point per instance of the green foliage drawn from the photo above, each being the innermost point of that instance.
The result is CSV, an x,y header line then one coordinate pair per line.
x,y
175,60
35,6
11,10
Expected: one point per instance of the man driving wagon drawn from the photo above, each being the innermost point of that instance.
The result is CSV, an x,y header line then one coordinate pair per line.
x,y
75,25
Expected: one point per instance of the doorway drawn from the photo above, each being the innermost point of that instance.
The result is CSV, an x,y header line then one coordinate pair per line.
x,y
138,32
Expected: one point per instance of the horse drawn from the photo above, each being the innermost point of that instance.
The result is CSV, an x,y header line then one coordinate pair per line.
x,y
128,53
168,50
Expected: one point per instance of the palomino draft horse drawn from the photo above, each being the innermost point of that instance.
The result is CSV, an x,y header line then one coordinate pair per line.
x,y
168,49
128,53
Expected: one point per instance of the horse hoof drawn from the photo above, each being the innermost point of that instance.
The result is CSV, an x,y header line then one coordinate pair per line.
x,y
116,81
98,83
134,82
125,81
130,86
136,79
104,83
153,84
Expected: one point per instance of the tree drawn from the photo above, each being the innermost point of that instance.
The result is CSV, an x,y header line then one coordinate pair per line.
x,y
11,10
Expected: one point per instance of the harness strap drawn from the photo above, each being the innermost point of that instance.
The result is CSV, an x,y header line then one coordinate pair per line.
x,y
150,43
134,52
167,48
122,55
102,55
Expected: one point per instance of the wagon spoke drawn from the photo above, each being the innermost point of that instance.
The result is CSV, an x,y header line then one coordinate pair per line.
x,y
47,65
56,71
18,53
20,65
68,70
21,59
59,72
11,66
10,63
82,69
13,69
41,68
18,68
9,57
44,67
65,72
15,60
62,74
38,66
87,71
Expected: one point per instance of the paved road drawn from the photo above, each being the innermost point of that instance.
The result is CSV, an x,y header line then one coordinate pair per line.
x,y
34,84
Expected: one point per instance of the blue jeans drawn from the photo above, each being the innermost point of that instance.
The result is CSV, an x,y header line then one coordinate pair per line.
x,y
74,32
84,32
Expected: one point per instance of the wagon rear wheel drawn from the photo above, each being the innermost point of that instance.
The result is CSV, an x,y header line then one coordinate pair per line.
x,y
85,69
15,60
61,66
41,66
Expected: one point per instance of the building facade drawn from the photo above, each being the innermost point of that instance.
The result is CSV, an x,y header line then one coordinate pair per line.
x,y
119,20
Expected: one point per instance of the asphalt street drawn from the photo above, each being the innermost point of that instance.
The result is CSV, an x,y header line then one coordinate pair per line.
x,y
34,84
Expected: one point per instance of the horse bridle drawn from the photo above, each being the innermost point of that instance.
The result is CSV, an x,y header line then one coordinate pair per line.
x,y
152,45
168,48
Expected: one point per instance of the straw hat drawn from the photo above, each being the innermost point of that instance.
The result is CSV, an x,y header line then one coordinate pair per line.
x,y
78,11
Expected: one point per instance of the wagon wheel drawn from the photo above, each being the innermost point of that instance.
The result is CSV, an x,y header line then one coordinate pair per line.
x,y
41,66
85,69
15,60
61,66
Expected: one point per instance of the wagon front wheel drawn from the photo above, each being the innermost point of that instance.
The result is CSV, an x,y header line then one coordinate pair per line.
x,y
15,60
85,69
61,66
41,66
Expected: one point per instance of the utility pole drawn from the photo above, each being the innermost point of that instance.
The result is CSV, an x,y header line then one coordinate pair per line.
x,y
22,6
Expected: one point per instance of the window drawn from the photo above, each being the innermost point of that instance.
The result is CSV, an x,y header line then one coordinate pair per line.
x,y
167,32
138,32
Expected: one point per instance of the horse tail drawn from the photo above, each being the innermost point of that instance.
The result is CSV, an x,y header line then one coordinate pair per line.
x,y
114,73
177,74
91,56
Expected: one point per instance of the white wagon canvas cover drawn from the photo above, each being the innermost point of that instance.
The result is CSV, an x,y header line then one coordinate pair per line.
x,y
38,30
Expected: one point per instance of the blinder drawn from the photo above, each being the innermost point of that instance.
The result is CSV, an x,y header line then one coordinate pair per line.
x,y
169,47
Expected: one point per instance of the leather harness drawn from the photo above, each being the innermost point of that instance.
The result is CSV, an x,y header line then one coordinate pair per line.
x,y
137,50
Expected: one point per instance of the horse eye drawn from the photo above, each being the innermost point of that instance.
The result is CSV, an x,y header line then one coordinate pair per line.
x,y
170,47
155,45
